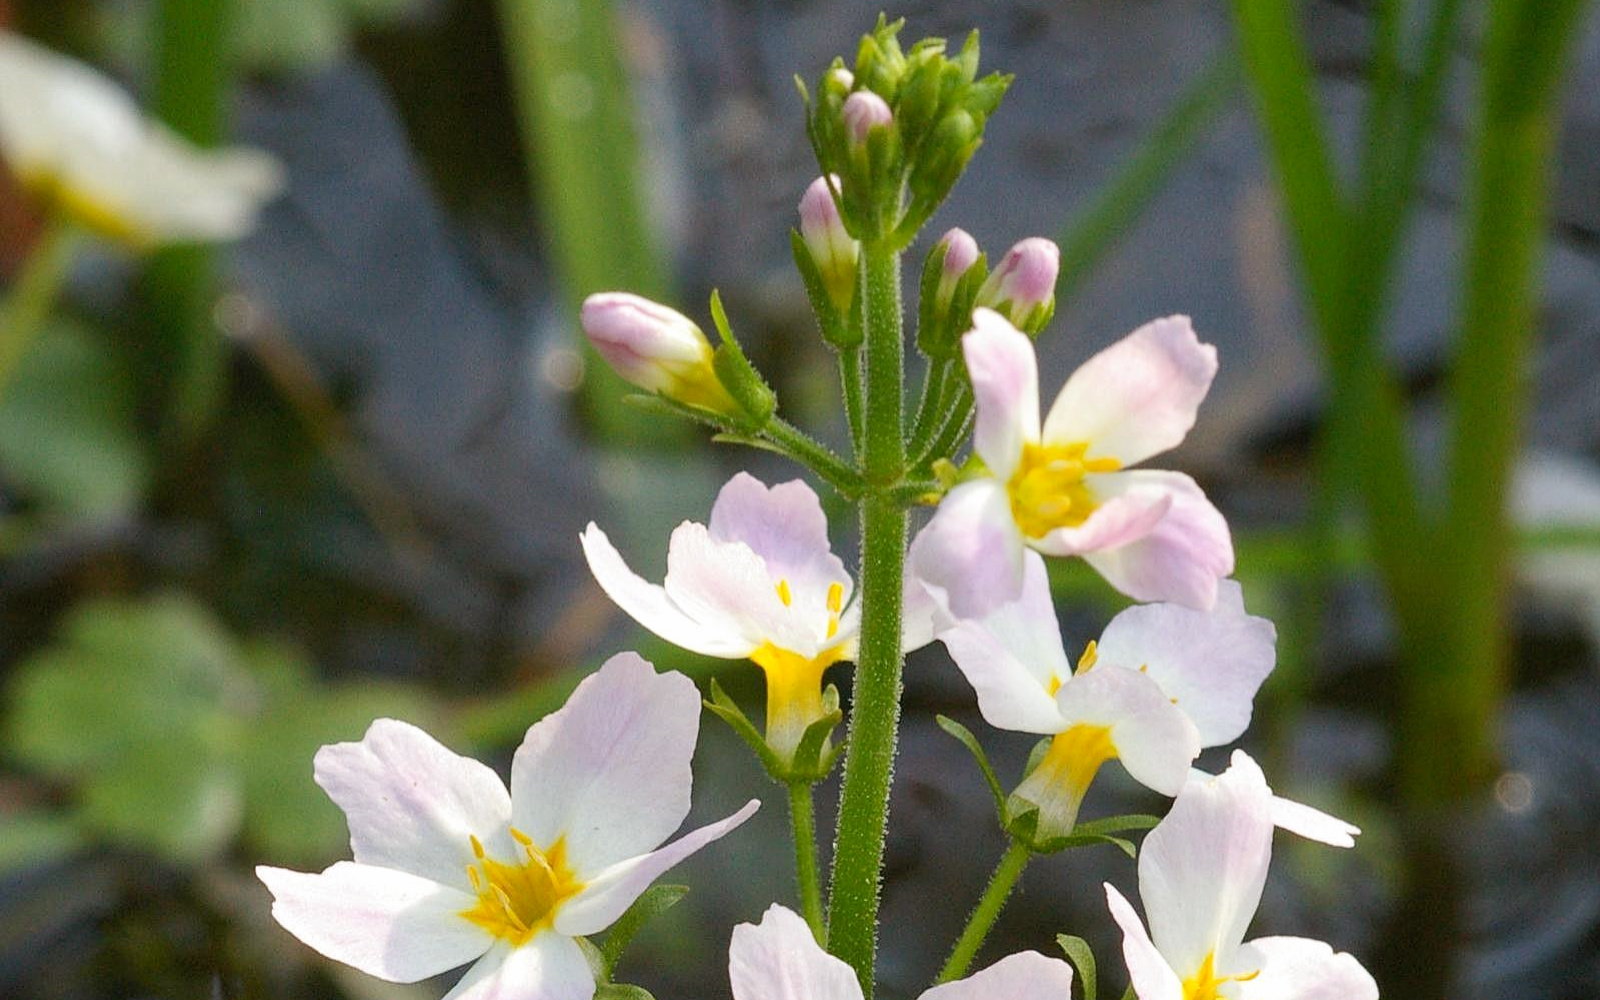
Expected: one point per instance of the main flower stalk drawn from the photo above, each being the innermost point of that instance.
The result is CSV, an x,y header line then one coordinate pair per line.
x,y
875,717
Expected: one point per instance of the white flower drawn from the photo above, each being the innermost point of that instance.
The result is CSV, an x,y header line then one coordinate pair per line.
x,y
778,959
1163,682
1201,871
76,139
449,868
759,582
1060,489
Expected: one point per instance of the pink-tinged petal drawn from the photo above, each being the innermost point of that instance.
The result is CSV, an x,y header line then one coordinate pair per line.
x,y
970,554
1301,819
1119,520
399,927
1202,868
1005,383
779,959
920,617
1027,975
412,804
1154,741
549,967
725,586
1013,658
607,894
1152,977
1182,558
1139,396
1210,663
610,770
648,603
786,527
1296,968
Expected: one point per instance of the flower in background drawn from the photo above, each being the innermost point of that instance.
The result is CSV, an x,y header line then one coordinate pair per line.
x,y
655,348
1163,682
1201,871
778,959
449,868
1062,489
77,141
759,582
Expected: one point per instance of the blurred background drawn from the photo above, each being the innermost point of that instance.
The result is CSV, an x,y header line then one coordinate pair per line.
x,y
253,497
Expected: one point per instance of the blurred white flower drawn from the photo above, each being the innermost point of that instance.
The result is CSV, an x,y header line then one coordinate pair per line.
x,y
77,141
449,868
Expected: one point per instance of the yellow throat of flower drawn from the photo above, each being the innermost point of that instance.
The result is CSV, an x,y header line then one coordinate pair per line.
x,y
1057,786
1047,490
83,208
794,682
518,900
1205,984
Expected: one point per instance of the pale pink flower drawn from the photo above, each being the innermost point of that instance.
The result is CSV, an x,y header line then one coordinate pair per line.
x,y
1201,872
1065,489
450,868
779,959
1023,287
655,348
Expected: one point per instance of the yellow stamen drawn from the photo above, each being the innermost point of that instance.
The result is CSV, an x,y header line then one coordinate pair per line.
x,y
517,901
835,597
1205,982
1091,656
1047,490
783,593
1054,685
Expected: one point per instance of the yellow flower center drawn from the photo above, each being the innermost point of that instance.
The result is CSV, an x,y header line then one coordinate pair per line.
x,y
1206,985
794,682
1075,756
1047,490
518,900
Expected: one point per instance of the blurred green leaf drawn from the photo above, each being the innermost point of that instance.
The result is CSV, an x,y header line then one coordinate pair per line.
x,y
177,796
269,34
33,837
69,438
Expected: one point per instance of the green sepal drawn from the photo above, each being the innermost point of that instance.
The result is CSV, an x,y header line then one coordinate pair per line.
x,y
1081,956
726,709
667,406
813,757
596,961
831,322
737,375
653,902
1024,824
931,340
965,737
1129,994
622,991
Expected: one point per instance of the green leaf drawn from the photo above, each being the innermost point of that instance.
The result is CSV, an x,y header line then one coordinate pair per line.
x,y
622,991
32,838
178,797
1117,824
1082,956
655,901
964,735
69,434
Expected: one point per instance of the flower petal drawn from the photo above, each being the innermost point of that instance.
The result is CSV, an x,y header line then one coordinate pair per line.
x,y
1139,396
1118,520
785,526
1210,663
648,603
1182,557
779,959
970,554
1027,975
1296,968
1005,383
610,770
1154,741
1013,655
612,891
726,586
1152,977
549,967
1202,868
1301,819
399,927
412,804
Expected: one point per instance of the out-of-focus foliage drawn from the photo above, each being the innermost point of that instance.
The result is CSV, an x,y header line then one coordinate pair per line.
x,y
177,737
69,436
271,34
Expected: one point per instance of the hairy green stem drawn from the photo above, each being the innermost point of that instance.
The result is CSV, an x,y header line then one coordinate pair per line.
x,y
850,383
813,454
875,714
930,408
802,822
988,910
33,293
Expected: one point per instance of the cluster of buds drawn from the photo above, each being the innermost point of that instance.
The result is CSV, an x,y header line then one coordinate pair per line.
x,y
956,279
901,123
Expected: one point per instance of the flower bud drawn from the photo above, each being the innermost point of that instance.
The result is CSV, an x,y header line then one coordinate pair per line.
x,y
1023,287
837,80
863,112
950,279
655,348
830,245
960,253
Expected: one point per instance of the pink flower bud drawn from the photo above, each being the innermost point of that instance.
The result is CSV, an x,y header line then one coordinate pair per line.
x,y
863,111
831,247
960,253
1025,282
655,348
